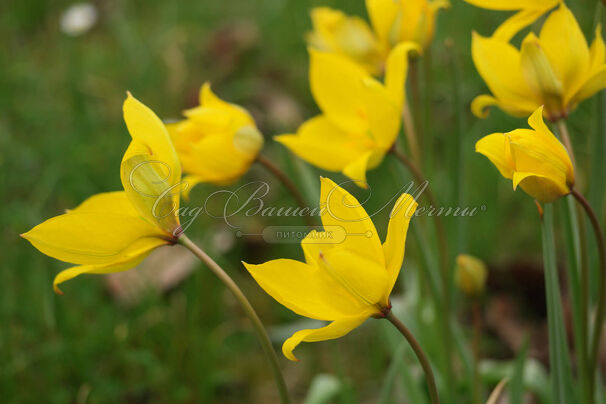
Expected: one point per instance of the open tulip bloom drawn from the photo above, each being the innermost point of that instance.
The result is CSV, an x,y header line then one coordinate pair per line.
x,y
528,12
533,159
344,283
556,69
360,117
393,22
115,231
216,143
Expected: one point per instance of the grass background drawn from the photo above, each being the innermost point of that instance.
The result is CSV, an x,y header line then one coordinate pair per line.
x,y
62,138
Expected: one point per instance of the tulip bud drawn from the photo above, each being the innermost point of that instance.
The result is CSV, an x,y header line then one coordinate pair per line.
x,y
470,275
248,140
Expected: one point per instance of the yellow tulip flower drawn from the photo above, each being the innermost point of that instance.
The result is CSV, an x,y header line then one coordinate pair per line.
x,y
216,143
556,69
115,231
470,274
529,12
349,36
344,283
533,159
360,117
396,21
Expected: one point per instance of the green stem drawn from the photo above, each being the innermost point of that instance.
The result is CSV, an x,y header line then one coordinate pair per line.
x,y
287,182
597,327
563,130
416,347
558,347
248,310
477,335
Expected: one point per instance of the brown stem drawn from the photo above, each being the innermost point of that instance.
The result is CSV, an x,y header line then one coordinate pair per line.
x,y
597,328
292,188
416,347
411,133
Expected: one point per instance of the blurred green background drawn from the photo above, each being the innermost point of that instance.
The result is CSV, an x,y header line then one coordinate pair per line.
x,y
62,138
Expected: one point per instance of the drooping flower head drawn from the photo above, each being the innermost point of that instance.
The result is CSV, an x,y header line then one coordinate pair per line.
x,y
115,231
217,142
556,69
360,116
528,12
533,159
342,282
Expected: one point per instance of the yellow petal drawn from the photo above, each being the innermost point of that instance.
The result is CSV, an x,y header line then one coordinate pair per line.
x,y
362,278
595,83
499,65
145,127
337,85
336,329
532,156
566,48
383,115
514,4
542,188
107,202
541,77
151,187
340,208
91,238
516,23
597,51
305,289
238,116
356,170
396,71
395,242
550,142
323,144
136,253
382,14
496,148
480,106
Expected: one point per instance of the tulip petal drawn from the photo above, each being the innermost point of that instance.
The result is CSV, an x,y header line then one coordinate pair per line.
x,y
356,170
340,208
145,127
396,71
92,238
540,75
362,278
597,51
337,85
148,183
566,48
305,289
480,104
516,23
395,242
542,188
499,65
134,256
496,148
595,83
336,329
382,14
238,116
107,202
505,5
323,144
383,115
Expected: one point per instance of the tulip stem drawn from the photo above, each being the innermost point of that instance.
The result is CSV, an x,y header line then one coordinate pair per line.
x,y
601,303
416,347
292,188
248,309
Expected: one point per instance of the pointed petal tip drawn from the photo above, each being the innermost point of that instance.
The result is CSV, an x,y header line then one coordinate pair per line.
x,y
57,290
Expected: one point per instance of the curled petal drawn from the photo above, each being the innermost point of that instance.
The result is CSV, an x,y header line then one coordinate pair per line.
x,y
336,329
497,149
542,188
